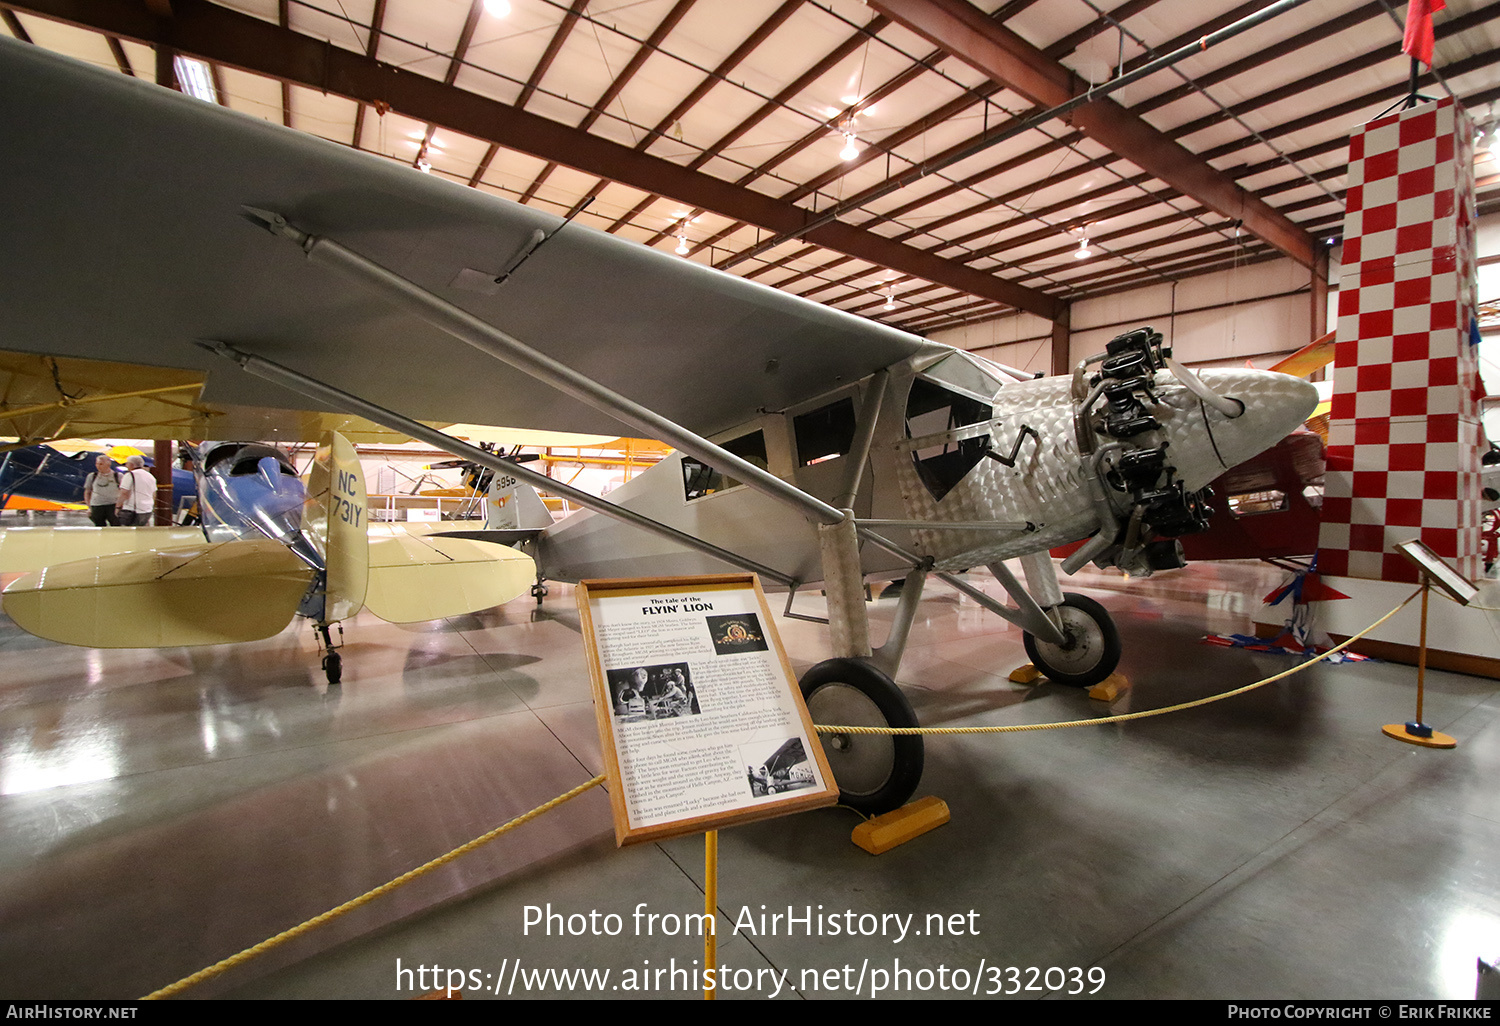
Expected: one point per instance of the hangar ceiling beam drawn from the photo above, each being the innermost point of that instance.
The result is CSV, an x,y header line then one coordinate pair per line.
x,y
612,93
118,52
455,65
784,98
241,41
377,20
14,25
555,44
713,78
979,94
968,34
284,18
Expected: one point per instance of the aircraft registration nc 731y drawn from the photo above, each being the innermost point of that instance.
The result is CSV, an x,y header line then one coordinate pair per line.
x,y
270,547
812,445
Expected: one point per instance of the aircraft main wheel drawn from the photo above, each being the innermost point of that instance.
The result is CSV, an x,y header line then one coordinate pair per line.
x,y
1092,650
875,772
333,666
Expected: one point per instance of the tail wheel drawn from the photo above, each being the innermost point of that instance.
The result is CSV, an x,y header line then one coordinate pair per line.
x,y
875,772
1091,650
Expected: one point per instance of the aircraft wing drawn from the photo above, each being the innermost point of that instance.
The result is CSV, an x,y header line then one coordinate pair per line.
x,y
24,549
125,242
418,573
204,594
44,398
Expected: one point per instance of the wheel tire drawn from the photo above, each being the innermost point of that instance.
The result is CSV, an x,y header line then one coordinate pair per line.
x,y
876,773
333,666
1093,649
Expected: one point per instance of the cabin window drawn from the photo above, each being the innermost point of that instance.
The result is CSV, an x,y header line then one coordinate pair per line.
x,y
825,433
1249,503
935,410
699,479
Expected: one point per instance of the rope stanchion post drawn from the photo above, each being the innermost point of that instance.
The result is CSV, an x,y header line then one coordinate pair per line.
x,y
1417,732
711,907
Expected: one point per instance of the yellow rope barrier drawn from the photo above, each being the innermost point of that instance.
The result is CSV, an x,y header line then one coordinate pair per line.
x,y
1019,728
173,989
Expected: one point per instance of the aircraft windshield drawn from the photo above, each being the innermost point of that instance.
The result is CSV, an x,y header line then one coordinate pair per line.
x,y
937,413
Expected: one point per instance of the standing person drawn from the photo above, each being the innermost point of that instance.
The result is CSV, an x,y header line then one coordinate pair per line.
x,y
101,493
137,494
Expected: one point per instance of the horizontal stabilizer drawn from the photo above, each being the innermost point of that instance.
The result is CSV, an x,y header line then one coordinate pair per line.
x,y
496,537
23,549
417,576
203,595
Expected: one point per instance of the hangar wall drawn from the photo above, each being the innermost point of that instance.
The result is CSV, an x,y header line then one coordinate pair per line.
x,y
1253,312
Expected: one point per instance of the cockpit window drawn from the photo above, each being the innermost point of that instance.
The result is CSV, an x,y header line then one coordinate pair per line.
x,y
825,433
935,410
699,479
245,459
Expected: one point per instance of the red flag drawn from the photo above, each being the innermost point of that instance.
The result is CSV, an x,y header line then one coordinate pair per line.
x,y
1418,38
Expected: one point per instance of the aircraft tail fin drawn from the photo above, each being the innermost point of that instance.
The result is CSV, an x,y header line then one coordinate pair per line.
x,y
337,519
205,594
511,505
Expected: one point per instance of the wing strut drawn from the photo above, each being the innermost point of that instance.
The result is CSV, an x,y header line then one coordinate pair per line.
x,y
490,340
837,539
311,387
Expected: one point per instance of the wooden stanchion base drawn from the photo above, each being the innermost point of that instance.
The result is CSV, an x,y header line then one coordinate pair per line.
x,y
1437,740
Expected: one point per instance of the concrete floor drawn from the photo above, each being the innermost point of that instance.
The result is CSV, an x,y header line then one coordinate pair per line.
x,y
161,810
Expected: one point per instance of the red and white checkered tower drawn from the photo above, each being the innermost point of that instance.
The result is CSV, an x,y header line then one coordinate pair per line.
x,y
1405,439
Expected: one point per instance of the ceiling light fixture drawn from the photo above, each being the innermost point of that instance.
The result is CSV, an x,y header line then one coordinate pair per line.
x,y
194,78
1083,252
424,166
890,300
682,246
497,8
1488,142
850,151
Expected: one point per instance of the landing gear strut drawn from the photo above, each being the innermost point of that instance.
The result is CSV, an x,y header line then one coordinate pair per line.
x,y
875,772
333,663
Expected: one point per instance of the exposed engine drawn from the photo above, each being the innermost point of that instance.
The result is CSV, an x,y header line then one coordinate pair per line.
x,y
1119,404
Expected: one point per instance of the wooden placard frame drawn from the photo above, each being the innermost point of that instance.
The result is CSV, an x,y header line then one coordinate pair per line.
x,y
795,801
1456,585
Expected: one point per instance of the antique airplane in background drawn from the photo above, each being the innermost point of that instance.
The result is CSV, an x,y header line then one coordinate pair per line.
x,y
49,474
270,547
811,445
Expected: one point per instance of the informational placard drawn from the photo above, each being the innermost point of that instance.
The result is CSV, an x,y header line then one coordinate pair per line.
x,y
1458,587
700,717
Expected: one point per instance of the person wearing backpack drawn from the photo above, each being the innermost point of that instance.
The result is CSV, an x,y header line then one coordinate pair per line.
x,y
101,493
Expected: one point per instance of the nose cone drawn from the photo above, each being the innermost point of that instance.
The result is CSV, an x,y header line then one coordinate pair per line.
x,y
1275,404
